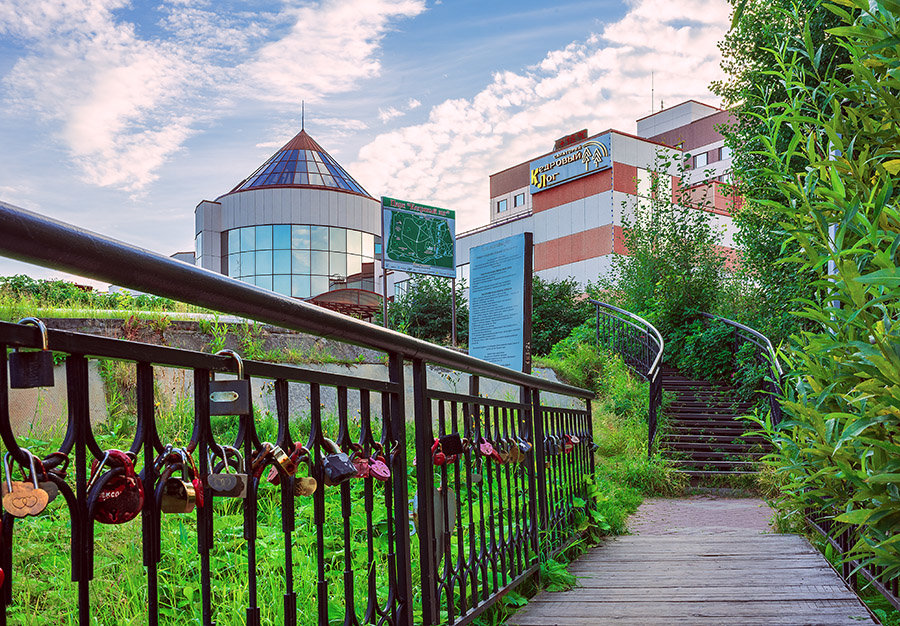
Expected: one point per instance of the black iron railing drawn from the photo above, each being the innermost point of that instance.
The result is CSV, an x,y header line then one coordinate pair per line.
x,y
764,354
884,582
499,484
641,347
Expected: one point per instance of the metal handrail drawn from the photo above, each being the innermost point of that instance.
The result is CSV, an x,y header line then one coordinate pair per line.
x,y
763,341
641,324
38,239
651,374
766,350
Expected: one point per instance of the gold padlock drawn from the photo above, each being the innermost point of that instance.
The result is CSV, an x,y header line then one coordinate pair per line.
x,y
178,495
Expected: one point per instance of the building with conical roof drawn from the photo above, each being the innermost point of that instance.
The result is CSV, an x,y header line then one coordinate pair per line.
x,y
299,225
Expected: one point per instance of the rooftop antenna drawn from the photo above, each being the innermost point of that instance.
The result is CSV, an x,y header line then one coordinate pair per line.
x,y
652,110
302,113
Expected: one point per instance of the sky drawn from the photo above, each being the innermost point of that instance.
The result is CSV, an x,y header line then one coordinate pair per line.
x,y
120,117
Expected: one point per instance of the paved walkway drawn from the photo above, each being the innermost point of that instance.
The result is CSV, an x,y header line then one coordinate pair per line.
x,y
700,560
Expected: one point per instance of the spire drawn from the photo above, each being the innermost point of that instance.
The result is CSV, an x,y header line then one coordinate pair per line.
x,y
302,162
302,114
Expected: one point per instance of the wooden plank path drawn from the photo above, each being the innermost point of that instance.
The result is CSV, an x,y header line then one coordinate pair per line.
x,y
700,575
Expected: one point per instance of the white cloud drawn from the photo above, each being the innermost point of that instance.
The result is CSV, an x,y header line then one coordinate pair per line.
x,y
413,104
386,115
123,104
330,47
599,83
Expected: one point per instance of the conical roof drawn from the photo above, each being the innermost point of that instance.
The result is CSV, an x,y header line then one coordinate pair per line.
x,y
301,162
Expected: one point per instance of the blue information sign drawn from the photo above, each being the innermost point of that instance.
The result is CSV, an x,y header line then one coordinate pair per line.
x,y
500,302
568,164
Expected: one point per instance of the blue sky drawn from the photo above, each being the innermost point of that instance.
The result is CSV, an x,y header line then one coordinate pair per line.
x,y
121,116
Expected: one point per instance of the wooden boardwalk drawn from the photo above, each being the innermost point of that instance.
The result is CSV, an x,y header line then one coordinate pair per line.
x,y
700,576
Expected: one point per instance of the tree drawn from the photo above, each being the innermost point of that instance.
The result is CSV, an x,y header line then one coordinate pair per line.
x,y
673,266
423,310
749,56
558,306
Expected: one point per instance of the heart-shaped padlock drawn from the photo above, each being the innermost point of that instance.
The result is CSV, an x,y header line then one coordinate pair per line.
x,y
21,498
378,465
485,447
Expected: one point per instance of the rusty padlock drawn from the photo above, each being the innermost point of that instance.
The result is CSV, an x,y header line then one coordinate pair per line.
x,y
115,496
229,397
304,485
285,464
34,368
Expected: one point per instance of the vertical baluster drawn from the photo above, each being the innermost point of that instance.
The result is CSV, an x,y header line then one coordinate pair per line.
x,y
425,488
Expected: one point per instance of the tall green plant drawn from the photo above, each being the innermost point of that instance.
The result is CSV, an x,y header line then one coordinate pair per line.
x,y
557,308
423,310
838,447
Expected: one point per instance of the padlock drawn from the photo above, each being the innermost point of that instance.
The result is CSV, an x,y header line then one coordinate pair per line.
x,y
485,447
524,447
31,369
551,448
569,442
360,460
337,465
437,454
453,445
195,477
284,461
230,397
303,485
227,479
21,498
378,464
499,454
117,495
178,495
44,481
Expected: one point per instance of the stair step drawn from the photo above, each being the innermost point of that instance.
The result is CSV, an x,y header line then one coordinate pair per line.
x,y
693,438
709,446
710,465
716,474
699,457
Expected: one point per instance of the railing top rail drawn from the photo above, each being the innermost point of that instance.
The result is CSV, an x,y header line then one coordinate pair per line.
x,y
762,340
655,334
40,240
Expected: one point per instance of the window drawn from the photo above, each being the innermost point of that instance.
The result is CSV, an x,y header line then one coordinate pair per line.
x,y
644,182
724,153
701,159
501,206
519,200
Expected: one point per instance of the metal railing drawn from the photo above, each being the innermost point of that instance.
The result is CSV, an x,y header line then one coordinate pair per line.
x,y
641,347
765,355
511,490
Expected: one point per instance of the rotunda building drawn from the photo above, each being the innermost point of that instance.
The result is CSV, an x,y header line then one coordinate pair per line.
x,y
299,225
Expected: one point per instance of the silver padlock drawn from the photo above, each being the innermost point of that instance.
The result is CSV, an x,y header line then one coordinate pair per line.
x,y
230,397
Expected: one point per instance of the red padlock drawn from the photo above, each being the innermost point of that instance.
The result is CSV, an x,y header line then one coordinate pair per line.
x,y
120,497
378,465
438,457
195,480
360,461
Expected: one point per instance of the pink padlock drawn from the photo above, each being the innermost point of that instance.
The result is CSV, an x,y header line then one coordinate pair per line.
x,y
360,461
485,447
378,466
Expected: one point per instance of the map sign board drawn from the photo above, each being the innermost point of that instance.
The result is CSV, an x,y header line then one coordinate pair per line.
x,y
417,238
500,302
567,164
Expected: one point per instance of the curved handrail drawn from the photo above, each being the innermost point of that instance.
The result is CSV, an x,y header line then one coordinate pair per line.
x,y
650,360
35,238
766,349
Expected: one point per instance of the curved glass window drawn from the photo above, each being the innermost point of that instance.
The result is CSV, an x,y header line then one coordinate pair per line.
x,y
302,260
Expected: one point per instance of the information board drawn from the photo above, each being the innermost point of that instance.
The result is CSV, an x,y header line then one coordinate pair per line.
x,y
417,238
500,302
567,164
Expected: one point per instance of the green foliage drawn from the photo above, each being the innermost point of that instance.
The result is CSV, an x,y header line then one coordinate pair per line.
x,y
557,306
424,310
702,349
749,54
673,266
830,148
63,294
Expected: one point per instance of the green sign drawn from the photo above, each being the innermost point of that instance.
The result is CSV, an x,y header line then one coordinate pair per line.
x,y
417,238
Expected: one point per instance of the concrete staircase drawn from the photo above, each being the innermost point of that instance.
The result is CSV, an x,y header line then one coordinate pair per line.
x,y
703,436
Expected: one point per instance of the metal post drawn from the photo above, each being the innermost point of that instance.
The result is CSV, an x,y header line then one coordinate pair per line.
x,y
425,478
453,311
401,495
384,302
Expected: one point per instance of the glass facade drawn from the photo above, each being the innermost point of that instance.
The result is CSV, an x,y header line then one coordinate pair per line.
x,y
302,260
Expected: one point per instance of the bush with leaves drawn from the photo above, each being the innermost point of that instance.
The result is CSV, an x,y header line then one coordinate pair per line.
x,y
837,447
558,306
423,310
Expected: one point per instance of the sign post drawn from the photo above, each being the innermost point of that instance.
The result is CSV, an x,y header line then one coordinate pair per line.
x,y
500,301
419,239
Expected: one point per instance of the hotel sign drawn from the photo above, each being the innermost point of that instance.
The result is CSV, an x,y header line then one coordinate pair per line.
x,y
568,164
